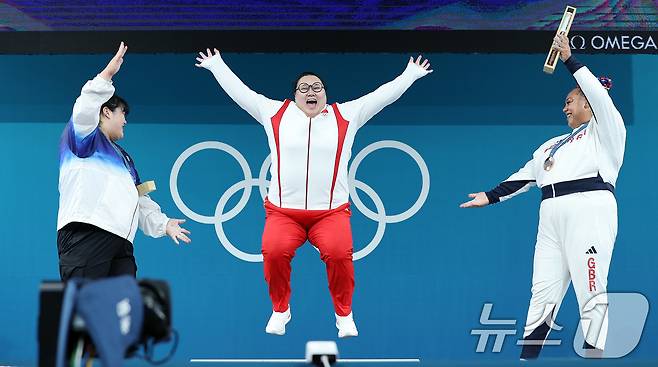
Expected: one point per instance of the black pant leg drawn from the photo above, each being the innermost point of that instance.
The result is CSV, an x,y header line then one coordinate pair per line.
x,y
90,252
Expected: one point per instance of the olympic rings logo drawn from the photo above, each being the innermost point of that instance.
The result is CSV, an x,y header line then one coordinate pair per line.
x,y
220,216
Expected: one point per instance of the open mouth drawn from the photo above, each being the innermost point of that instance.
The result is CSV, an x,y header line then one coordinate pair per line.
x,y
569,115
312,102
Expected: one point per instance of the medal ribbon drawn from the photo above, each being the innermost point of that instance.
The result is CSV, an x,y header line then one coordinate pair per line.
x,y
561,142
127,162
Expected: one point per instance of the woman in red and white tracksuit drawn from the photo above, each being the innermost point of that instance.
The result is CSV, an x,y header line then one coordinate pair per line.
x,y
308,199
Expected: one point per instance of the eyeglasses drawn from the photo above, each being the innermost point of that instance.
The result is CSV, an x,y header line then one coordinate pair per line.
x,y
316,87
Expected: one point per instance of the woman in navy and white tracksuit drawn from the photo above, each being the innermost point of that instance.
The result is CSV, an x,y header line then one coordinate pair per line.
x,y
577,173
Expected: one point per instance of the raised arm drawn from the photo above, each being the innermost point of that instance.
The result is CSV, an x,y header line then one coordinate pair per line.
x,y
86,111
257,105
609,122
516,184
363,109
156,224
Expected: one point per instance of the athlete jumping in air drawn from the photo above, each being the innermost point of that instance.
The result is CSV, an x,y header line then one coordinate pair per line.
x,y
310,143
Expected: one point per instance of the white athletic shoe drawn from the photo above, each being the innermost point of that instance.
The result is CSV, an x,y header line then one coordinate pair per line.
x,y
278,321
346,326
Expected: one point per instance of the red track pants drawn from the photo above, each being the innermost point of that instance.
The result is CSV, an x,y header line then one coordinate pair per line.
x,y
329,231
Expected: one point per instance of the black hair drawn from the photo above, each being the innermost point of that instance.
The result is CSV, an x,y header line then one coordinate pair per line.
x,y
605,82
303,74
578,90
116,101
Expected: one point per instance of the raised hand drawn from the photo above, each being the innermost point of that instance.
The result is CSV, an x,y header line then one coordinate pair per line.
x,y
425,64
176,232
203,57
115,64
478,200
561,43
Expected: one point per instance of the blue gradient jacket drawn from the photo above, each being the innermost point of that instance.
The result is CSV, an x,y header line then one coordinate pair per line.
x,y
97,179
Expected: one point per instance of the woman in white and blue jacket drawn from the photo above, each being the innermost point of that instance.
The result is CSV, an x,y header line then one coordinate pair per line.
x,y
99,207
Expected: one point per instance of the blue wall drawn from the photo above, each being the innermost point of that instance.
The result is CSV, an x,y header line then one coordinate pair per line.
x,y
474,121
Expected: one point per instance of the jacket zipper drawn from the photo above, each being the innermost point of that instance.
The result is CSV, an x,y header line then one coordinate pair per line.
x,y
308,160
130,230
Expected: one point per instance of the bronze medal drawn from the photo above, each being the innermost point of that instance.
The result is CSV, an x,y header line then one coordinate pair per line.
x,y
548,163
